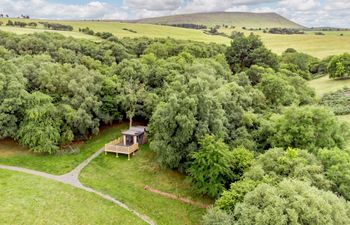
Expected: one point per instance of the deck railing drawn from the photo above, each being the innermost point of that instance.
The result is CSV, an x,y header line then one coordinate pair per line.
x,y
117,147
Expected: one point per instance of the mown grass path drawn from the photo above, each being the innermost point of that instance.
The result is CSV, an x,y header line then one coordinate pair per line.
x,y
72,178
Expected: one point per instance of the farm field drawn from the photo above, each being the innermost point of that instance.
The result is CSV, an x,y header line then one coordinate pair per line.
x,y
319,46
148,30
26,199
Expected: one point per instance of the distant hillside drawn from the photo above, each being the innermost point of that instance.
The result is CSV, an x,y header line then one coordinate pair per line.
x,y
237,19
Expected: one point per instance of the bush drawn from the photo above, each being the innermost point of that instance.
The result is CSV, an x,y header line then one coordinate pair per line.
x,y
319,33
338,101
230,198
217,217
339,67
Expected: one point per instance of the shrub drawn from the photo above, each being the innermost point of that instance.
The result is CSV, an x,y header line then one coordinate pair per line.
x,y
217,217
338,101
230,198
339,66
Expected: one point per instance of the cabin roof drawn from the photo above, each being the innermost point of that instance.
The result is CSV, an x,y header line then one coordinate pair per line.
x,y
135,131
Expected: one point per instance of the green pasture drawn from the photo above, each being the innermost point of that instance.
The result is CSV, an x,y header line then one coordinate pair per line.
x,y
319,46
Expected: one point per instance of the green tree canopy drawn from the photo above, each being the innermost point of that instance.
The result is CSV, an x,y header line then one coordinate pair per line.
x,y
210,170
308,127
247,51
337,165
276,164
291,202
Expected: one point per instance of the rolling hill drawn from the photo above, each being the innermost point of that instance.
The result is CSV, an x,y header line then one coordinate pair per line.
x,y
333,42
238,19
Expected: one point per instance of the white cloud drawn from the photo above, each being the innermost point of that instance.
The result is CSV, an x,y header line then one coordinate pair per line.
x,y
307,12
153,5
221,5
300,5
45,9
240,8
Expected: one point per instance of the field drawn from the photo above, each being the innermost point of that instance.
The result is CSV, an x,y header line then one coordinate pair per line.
x,y
25,199
148,30
319,46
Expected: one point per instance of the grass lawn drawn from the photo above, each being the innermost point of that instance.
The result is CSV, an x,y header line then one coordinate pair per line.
x,y
125,180
26,199
15,155
325,85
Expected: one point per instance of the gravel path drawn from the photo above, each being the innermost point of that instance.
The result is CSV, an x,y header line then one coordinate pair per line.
x,y
72,178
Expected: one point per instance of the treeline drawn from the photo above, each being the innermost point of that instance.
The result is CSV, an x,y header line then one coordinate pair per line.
x,y
242,135
327,29
47,25
239,121
21,24
103,35
285,31
188,25
64,88
56,26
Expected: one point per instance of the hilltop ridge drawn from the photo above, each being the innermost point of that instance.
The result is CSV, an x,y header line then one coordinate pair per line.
x,y
238,19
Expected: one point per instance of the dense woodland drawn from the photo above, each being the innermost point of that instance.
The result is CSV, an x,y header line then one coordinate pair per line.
x,y
239,120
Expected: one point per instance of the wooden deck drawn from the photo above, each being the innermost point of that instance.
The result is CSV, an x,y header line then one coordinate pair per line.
x,y
117,147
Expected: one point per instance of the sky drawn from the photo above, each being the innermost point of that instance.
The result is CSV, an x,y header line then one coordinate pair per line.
x,y
335,13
